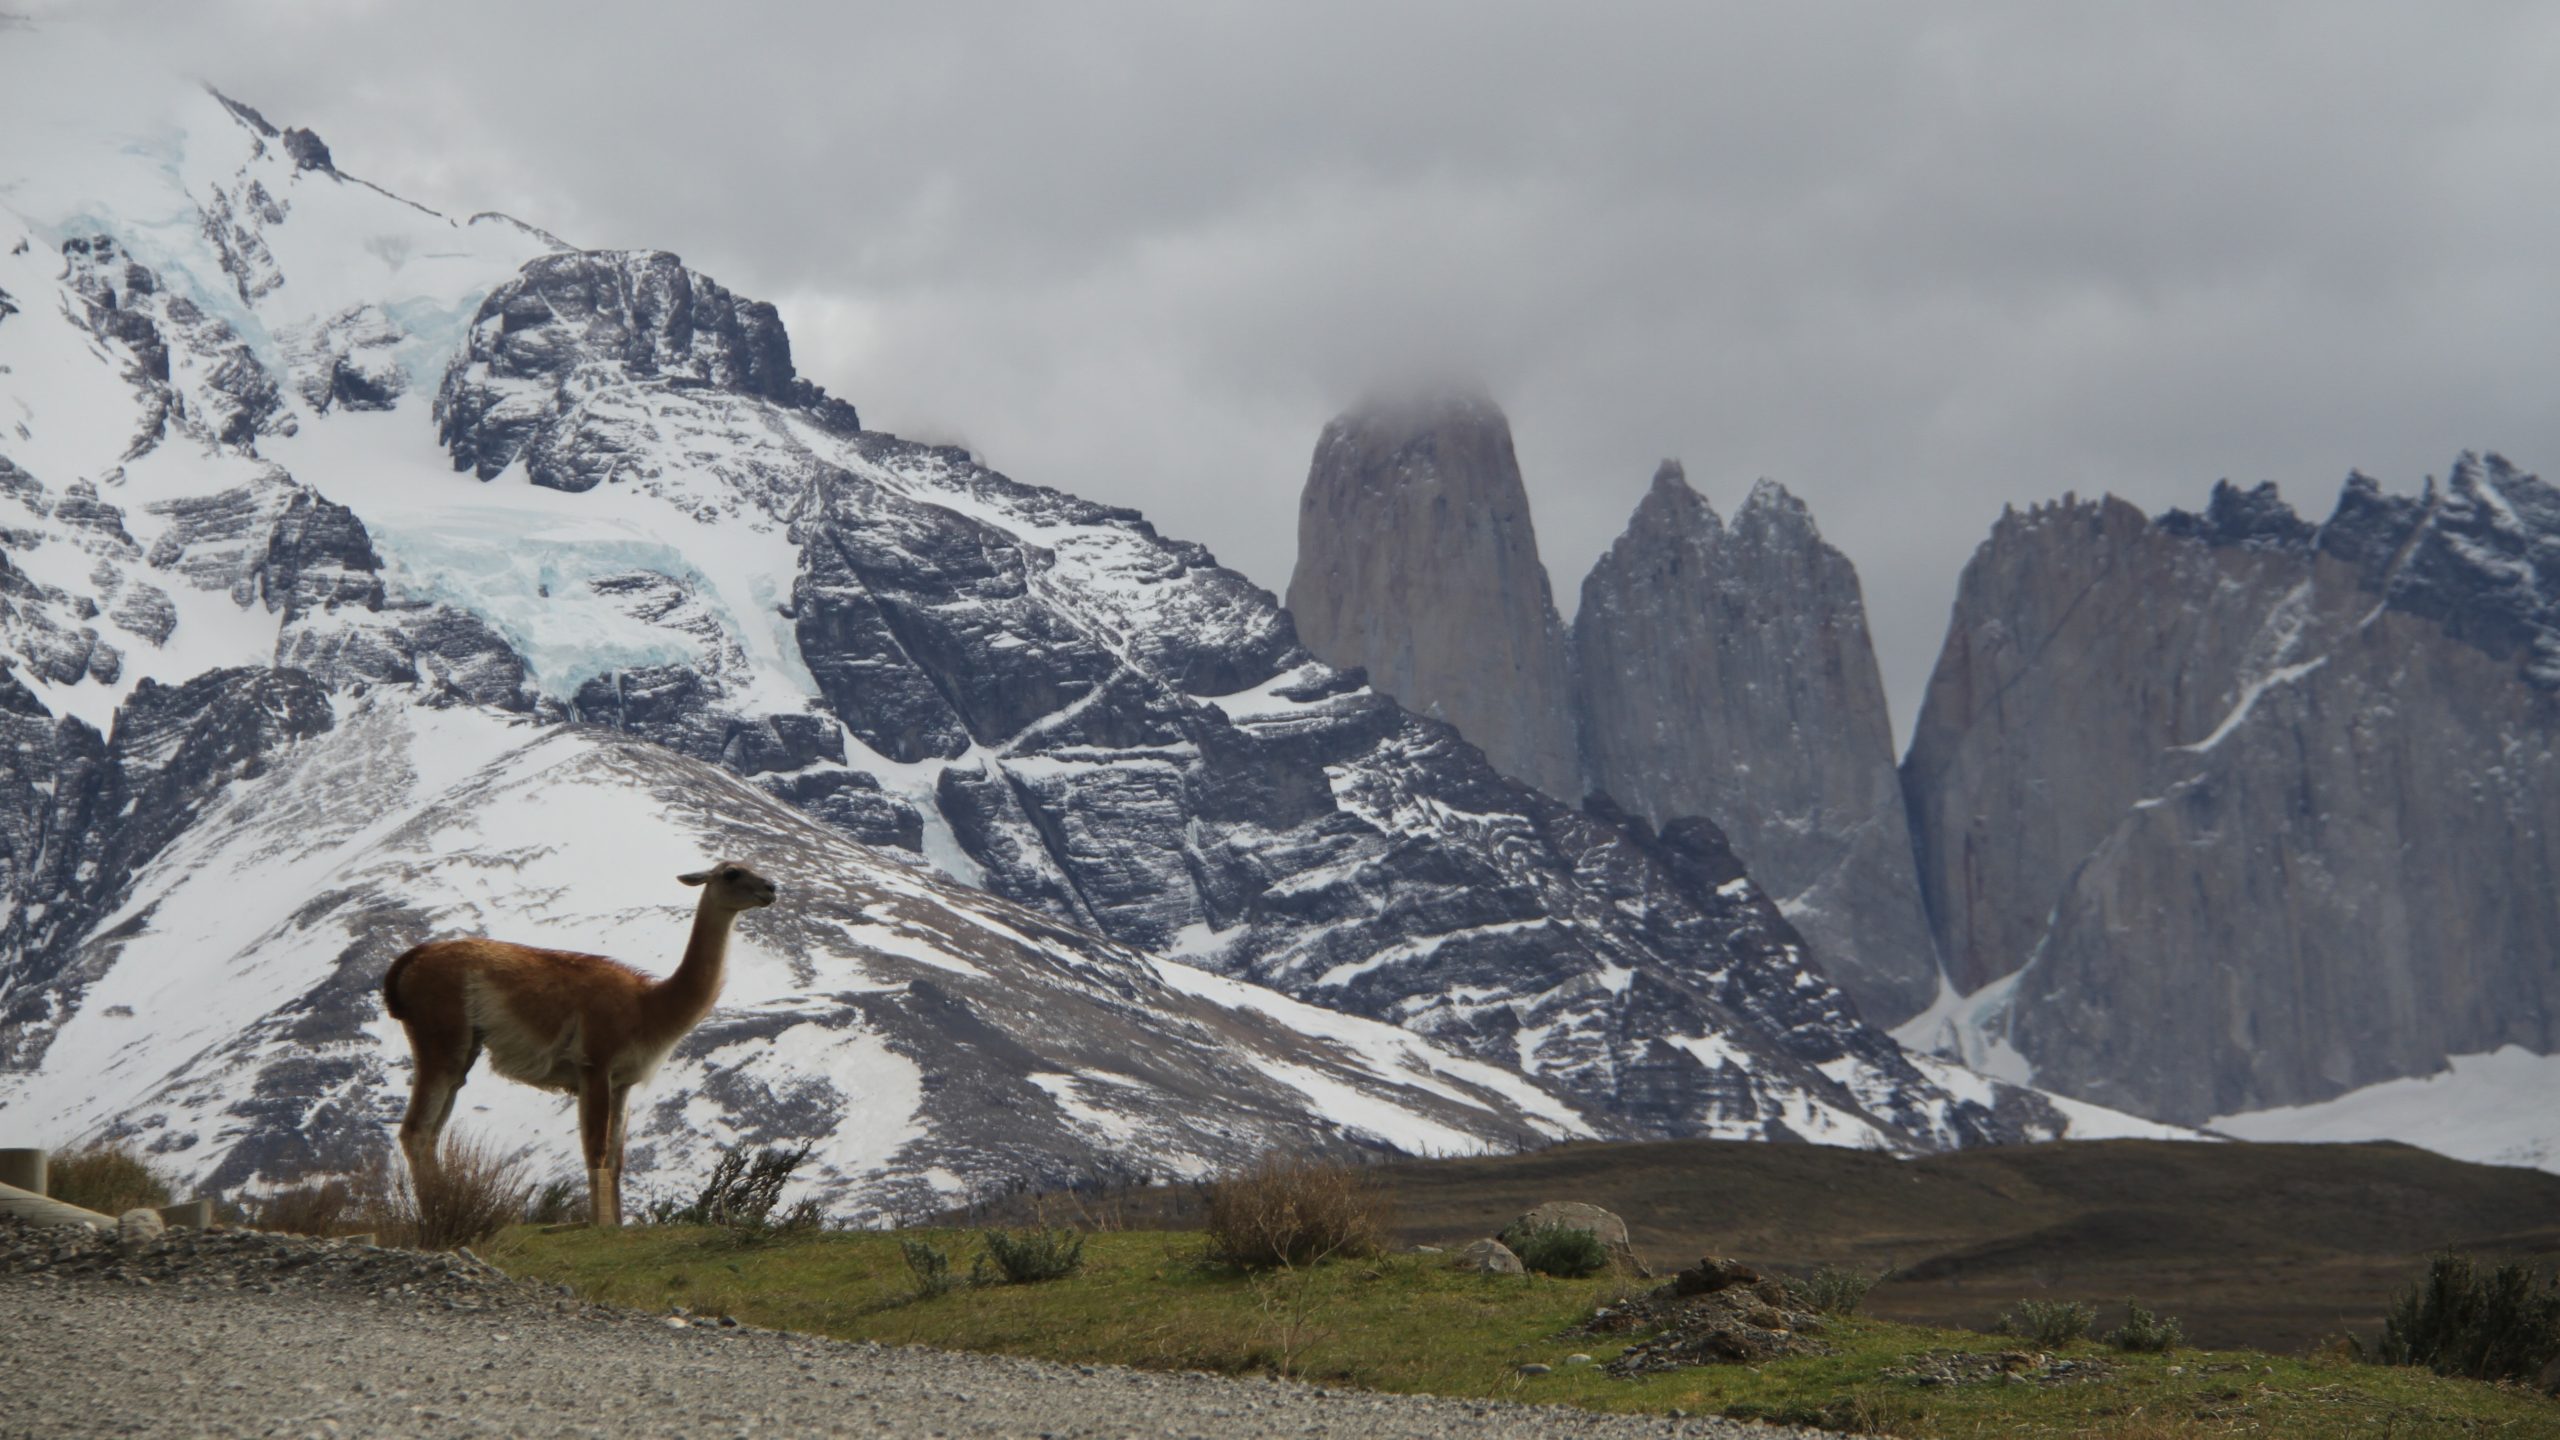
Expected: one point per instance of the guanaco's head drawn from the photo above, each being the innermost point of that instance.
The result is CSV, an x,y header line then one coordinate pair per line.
x,y
732,886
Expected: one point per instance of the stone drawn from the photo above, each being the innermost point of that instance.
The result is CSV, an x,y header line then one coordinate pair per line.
x,y
1418,563
1489,1257
1710,1275
1579,1215
138,1227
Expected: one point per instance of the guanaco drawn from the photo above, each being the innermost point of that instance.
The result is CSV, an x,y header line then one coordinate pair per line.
x,y
558,1020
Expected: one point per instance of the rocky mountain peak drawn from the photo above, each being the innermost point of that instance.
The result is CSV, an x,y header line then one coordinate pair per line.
x,y
1725,671
1771,508
575,323
1417,562
2257,516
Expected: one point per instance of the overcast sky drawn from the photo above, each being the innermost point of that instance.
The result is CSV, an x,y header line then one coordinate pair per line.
x,y
1913,261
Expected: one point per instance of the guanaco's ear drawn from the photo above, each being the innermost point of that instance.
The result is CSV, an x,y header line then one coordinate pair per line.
x,y
696,878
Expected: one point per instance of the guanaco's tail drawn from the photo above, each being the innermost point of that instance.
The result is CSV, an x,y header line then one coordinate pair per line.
x,y
391,982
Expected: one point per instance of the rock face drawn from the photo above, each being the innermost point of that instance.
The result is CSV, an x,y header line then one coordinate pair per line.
x,y
1727,672
1418,564
2228,811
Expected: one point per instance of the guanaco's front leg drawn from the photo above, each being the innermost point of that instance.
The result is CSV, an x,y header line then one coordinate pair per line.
x,y
595,1132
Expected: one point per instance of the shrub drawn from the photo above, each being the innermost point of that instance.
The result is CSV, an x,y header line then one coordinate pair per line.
x,y
2142,1331
1557,1249
2502,1325
2049,1323
107,1178
1284,1212
1835,1291
557,1202
929,1267
1027,1257
742,1191
475,1192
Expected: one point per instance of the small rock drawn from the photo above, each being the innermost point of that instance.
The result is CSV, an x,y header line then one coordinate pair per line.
x,y
1490,1257
1577,1359
1710,1275
1534,1368
139,1227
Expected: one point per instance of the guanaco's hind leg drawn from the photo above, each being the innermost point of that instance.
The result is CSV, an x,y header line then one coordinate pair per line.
x,y
596,1114
438,1071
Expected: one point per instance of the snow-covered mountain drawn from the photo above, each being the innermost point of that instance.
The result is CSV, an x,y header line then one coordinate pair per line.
x,y
371,573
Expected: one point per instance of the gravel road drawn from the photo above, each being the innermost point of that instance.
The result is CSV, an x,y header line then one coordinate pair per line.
x,y
258,1335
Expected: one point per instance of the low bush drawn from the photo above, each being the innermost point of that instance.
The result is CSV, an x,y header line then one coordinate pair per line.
x,y
107,1178
557,1202
743,1191
1284,1212
929,1268
1837,1291
2144,1332
1567,1251
2502,1324
2049,1323
1027,1257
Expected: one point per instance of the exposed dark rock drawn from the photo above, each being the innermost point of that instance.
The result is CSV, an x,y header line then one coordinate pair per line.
x,y
309,151
640,310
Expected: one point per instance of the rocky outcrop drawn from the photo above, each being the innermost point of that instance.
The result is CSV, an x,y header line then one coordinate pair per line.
x,y
2227,811
1727,671
541,342
1418,564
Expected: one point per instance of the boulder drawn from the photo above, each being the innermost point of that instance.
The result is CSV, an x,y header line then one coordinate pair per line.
x,y
1577,1215
1489,1257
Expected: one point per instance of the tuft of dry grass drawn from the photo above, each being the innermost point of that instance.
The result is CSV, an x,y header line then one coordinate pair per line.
x,y
106,1177
334,1206
1285,1212
475,1192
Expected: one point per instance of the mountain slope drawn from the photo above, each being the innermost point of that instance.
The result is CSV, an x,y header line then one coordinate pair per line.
x,y
926,1038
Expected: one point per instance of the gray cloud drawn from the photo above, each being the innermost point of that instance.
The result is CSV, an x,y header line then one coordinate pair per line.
x,y
1916,262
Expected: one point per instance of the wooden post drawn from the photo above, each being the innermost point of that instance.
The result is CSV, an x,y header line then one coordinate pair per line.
x,y
24,1169
193,1215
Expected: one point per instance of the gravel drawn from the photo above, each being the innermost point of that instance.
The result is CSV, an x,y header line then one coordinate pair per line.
x,y
240,1333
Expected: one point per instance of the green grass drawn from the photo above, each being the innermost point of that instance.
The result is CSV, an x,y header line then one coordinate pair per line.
x,y
1405,1323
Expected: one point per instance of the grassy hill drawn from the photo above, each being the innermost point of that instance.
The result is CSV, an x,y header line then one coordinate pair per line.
x,y
1407,1322
2271,1246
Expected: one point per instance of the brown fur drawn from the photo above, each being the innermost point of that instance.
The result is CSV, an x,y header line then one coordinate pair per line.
x,y
559,1020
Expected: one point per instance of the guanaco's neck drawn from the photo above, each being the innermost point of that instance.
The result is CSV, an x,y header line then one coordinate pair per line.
x,y
683,998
